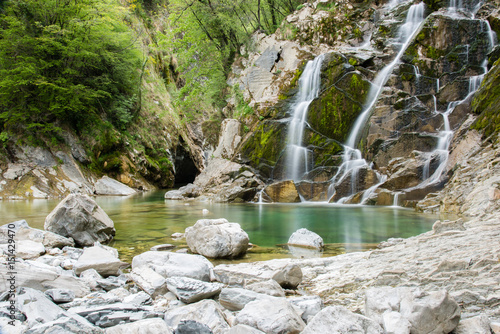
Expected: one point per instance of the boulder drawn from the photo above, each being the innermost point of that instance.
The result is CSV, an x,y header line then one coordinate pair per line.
x,y
66,324
424,312
235,299
27,249
140,298
274,315
149,281
191,327
60,295
79,217
109,186
441,227
338,319
478,325
146,326
217,238
190,290
283,192
289,277
269,287
304,237
310,305
100,259
169,264
206,312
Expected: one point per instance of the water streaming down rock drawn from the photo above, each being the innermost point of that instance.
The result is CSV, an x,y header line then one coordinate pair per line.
x,y
297,155
352,158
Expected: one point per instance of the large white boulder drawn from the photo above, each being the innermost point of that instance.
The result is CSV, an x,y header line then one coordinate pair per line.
x,y
338,319
305,238
79,217
109,186
169,264
217,238
100,259
271,315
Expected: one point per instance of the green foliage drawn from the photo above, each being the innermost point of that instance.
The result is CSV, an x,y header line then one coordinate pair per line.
x,y
69,62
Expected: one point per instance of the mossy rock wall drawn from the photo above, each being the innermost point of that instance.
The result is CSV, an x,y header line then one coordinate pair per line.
x,y
486,104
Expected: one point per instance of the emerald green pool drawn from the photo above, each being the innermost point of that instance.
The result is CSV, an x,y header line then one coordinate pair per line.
x,y
145,220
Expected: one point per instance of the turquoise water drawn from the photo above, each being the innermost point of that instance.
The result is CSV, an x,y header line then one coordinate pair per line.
x,y
145,220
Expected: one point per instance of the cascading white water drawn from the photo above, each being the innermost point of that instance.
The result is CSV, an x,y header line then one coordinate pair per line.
x,y
352,158
296,154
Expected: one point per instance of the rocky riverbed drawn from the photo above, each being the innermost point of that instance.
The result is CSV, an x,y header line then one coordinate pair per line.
x,y
445,280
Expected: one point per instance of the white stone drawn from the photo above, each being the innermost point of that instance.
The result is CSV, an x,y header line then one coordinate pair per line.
x,y
306,238
60,295
100,259
149,281
310,305
169,264
269,287
271,315
235,299
243,329
27,249
478,325
217,238
109,186
337,319
190,290
229,139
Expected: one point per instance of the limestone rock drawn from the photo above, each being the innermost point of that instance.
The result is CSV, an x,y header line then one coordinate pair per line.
x,y
146,326
60,295
289,277
243,329
271,316
27,249
206,312
310,305
229,139
235,299
66,324
478,325
191,326
24,232
140,298
282,192
149,281
337,319
109,186
79,217
169,264
440,227
100,259
217,238
306,238
269,287
190,290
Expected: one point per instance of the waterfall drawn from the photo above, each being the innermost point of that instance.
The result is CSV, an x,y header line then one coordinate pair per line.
x,y
352,158
296,163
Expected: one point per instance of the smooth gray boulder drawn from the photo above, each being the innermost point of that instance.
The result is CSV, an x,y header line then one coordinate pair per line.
x,y
206,312
338,319
146,326
190,290
100,259
235,299
79,217
271,315
169,264
425,312
109,186
217,238
24,232
305,238
60,295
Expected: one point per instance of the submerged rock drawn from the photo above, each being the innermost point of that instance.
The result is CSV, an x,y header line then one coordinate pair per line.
x,y
79,217
217,238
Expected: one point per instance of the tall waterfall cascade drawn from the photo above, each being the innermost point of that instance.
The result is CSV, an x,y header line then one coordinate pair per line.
x,y
299,160
297,155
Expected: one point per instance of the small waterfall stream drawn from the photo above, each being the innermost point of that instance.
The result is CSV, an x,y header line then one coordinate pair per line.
x,y
352,158
297,156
